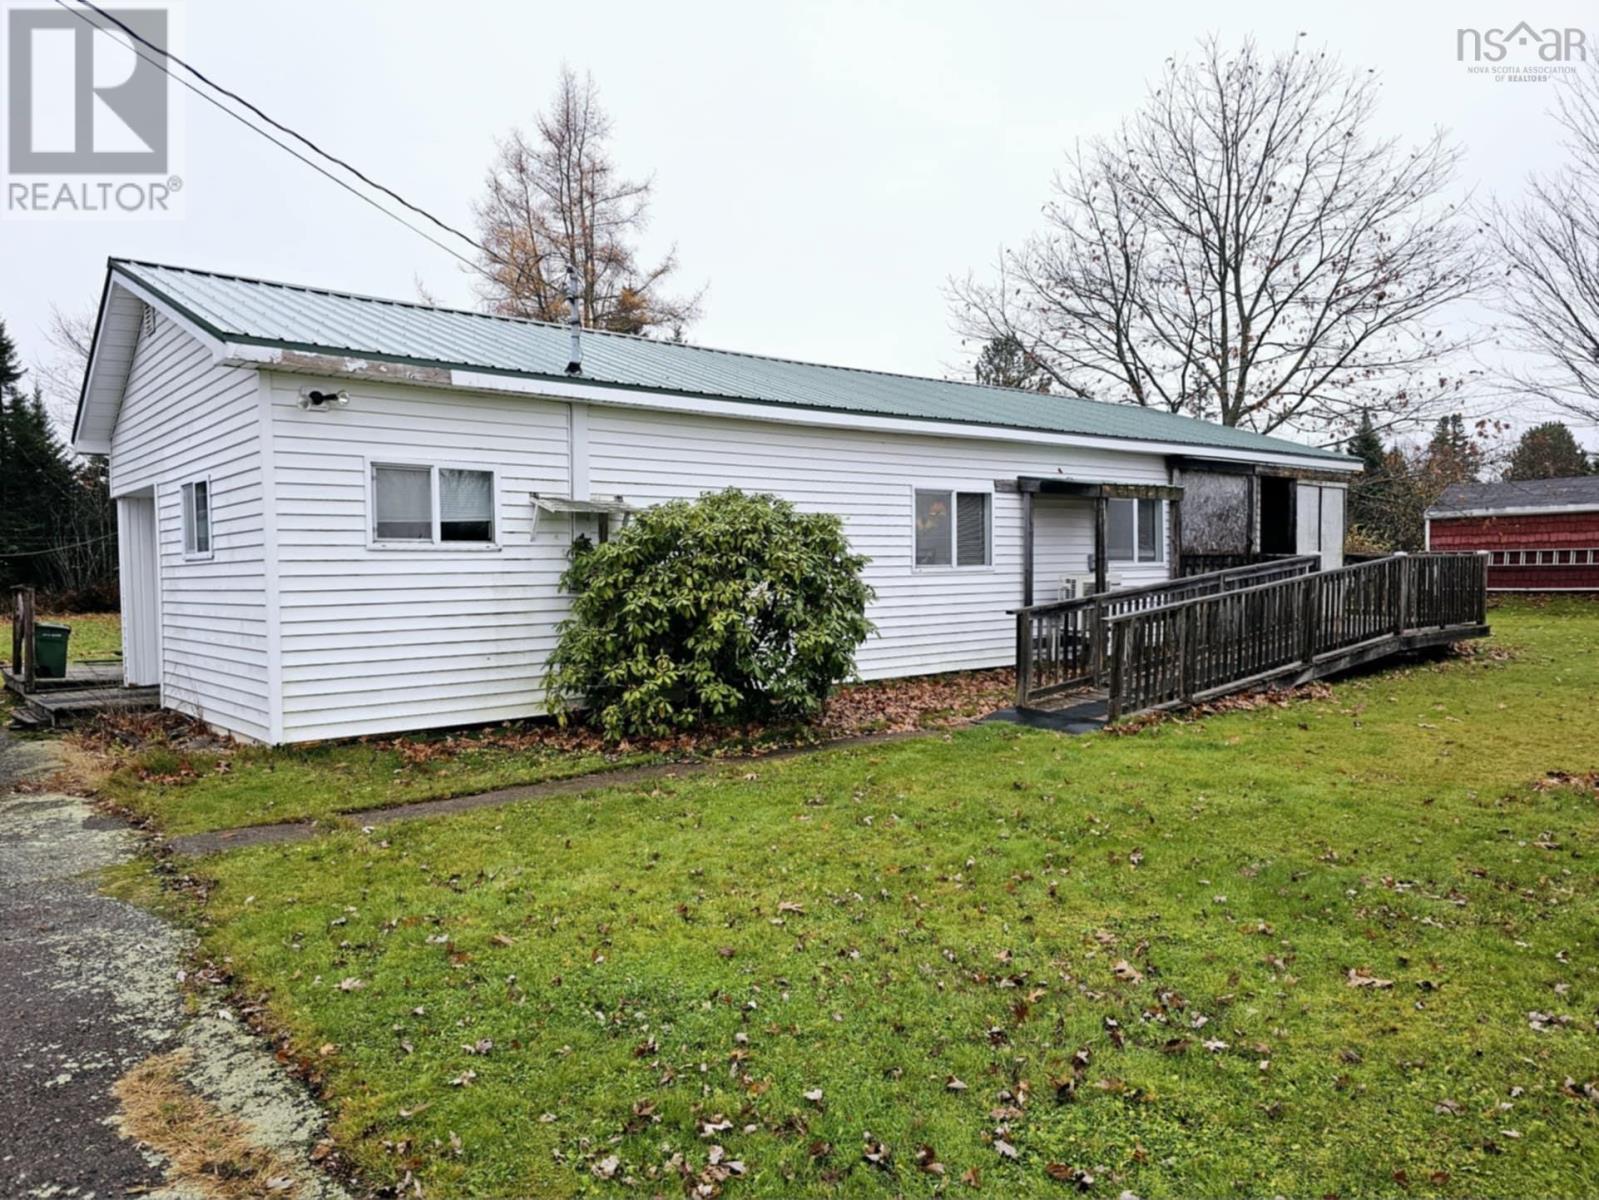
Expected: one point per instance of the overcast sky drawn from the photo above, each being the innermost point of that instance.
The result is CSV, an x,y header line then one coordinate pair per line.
x,y
822,168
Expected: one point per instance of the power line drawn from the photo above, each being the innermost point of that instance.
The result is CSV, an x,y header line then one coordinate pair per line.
x,y
276,124
317,167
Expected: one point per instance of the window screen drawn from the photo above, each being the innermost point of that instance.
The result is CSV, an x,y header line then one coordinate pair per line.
x,y
971,529
197,517
933,519
466,506
402,500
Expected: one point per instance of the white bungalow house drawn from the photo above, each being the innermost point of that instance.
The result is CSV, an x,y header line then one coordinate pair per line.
x,y
342,515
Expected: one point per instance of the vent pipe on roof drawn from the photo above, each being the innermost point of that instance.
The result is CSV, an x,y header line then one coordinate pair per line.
x,y
574,321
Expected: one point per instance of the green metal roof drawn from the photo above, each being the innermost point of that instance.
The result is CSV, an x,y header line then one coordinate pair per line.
x,y
259,312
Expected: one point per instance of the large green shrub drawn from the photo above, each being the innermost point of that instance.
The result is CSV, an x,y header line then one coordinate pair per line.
x,y
729,607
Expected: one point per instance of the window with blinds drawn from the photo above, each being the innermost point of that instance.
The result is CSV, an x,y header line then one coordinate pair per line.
x,y
952,528
430,505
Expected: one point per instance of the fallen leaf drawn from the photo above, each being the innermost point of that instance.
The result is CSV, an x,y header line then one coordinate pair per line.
x,y
1361,977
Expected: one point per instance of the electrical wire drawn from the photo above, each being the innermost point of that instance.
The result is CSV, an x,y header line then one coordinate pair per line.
x,y
286,148
279,125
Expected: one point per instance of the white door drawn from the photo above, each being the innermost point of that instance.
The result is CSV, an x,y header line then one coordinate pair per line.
x,y
1307,519
139,562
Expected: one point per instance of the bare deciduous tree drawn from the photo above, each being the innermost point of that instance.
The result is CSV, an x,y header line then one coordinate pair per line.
x,y
1550,250
70,336
555,198
1244,250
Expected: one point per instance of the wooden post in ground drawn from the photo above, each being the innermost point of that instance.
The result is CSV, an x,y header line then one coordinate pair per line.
x,y
22,650
1024,657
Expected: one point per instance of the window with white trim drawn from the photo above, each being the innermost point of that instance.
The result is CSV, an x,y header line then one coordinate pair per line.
x,y
953,528
1135,531
432,505
197,518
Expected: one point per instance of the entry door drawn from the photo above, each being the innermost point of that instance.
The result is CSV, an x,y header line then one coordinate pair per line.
x,y
139,562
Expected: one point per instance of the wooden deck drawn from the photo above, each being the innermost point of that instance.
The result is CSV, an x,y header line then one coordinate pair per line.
x,y
88,689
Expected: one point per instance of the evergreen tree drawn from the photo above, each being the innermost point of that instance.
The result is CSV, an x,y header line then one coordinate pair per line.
x,y
1005,362
1452,456
1547,451
1369,491
40,493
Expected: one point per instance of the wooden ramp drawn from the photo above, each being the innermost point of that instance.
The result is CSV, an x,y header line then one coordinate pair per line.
x,y
1174,645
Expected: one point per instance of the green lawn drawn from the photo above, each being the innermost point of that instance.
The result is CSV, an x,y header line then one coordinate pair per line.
x,y
1134,953
94,635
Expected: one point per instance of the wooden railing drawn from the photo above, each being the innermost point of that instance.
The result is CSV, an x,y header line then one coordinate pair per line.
x,y
1063,645
1186,651
1207,562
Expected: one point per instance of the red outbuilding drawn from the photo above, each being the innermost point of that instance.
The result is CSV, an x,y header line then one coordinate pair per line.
x,y
1542,534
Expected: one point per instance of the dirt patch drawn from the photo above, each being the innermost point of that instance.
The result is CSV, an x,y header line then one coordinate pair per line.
x,y
208,1152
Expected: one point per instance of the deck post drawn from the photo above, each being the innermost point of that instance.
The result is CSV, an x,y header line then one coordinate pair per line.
x,y
1483,558
1027,548
1309,614
1101,541
1176,507
1188,651
1113,707
1024,657
1402,613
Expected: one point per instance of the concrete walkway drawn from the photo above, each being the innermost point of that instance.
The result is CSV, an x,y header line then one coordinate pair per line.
x,y
199,844
89,989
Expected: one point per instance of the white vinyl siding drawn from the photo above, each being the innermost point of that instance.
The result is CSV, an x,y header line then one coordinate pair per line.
x,y
378,637
181,419
928,620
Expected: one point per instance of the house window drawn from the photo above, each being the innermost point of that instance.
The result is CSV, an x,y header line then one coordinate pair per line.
x,y
430,505
1135,530
197,518
952,528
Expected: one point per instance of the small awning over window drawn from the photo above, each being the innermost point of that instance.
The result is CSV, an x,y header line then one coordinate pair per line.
x,y
565,504
608,511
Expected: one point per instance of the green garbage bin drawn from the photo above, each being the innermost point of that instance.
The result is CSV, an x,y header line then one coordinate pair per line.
x,y
50,649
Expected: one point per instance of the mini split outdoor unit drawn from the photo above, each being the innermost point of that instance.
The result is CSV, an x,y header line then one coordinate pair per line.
x,y
1075,587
